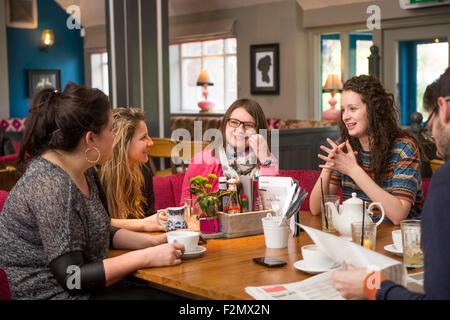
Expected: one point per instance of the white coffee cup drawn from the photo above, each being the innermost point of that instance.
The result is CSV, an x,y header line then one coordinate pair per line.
x,y
276,235
316,258
188,238
397,239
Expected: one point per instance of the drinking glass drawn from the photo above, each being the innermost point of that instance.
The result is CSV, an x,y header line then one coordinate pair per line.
x,y
370,234
412,248
327,225
192,213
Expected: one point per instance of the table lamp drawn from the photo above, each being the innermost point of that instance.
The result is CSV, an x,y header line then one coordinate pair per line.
x,y
332,85
204,80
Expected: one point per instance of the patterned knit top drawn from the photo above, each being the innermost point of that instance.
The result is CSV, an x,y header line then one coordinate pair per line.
x,y
402,178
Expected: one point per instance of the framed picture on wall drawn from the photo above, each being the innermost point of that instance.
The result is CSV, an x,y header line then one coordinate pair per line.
x,y
41,79
21,14
265,69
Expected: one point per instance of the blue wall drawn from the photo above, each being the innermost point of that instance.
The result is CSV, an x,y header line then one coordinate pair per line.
x,y
24,53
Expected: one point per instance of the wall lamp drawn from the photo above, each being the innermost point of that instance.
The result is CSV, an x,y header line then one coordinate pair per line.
x,y
47,40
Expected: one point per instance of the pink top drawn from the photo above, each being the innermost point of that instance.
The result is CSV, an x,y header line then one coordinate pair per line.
x,y
205,163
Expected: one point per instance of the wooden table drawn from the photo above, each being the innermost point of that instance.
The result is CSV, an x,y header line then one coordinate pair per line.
x,y
226,267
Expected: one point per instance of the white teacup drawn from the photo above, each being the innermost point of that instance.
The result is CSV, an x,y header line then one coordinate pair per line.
x,y
397,239
316,258
188,238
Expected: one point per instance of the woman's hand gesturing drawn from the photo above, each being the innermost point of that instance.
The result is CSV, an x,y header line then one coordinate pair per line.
x,y
339,160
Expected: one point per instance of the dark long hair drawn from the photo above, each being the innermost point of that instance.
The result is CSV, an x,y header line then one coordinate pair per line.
x,y
382,116
58,120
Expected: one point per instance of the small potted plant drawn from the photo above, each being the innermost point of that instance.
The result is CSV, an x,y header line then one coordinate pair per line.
x,y
208,201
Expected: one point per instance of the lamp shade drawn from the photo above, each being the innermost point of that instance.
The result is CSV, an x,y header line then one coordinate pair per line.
x,y
204,78
47,38
332,83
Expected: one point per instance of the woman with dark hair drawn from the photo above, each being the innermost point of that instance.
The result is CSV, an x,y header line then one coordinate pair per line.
x,y
376,159
55,232
240,148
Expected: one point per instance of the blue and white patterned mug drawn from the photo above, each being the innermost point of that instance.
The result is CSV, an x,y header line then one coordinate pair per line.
x,y
175,219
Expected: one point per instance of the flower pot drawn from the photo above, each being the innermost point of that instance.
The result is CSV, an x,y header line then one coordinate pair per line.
x,y
209,224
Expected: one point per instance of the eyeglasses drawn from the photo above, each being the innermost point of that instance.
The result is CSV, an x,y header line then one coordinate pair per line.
x,y
247,125
426,130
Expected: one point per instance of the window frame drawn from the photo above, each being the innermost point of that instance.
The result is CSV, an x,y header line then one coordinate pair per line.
x,y
181,108
407,64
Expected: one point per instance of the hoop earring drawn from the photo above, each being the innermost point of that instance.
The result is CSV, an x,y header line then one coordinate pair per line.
x,y
89,149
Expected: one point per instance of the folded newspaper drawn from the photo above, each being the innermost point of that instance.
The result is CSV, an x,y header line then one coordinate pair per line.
x,y
320,287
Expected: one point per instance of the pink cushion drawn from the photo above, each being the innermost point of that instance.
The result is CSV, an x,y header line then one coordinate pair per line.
x,y
13,124
163,193
306,178
8,158
176,182
3,196
5,292
16,145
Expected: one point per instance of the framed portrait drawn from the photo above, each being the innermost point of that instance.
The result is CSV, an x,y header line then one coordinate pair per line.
x,y
41,79
265,68
22,14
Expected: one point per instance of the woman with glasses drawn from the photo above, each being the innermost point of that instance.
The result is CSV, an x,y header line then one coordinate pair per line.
x,y
241,149
376,159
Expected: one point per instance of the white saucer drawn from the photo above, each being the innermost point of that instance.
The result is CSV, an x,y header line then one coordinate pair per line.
x,y
194,254
302,265
392,249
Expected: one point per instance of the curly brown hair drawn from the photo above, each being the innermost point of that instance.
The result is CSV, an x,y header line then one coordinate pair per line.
x,y
382,116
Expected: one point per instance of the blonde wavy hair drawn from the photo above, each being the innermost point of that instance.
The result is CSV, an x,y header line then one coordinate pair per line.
x,y
122,181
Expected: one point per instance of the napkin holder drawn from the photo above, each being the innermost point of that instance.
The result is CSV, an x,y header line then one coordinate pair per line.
x,y
242,224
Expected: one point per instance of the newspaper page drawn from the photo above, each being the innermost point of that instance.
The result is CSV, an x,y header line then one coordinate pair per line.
x,y
344,251
320,287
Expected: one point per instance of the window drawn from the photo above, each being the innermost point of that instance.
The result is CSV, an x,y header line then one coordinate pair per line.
x,y
360,43
420,63
218,57
331,49
330,64
99,71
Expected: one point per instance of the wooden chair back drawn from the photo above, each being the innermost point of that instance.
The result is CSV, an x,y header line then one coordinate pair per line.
x,y
8,177
162,148
435,164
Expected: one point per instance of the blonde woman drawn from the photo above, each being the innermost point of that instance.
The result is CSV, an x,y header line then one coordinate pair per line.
x,y
126,178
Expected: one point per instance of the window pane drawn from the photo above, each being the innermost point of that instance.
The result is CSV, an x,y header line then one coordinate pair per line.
x,y
230,45
331,64
191,49
99,71
105,73
230,80
191,94
215,67
362,53
213,47
432,60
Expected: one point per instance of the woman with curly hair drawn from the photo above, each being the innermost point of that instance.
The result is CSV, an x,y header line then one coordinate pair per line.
x,y
127,178
376,158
